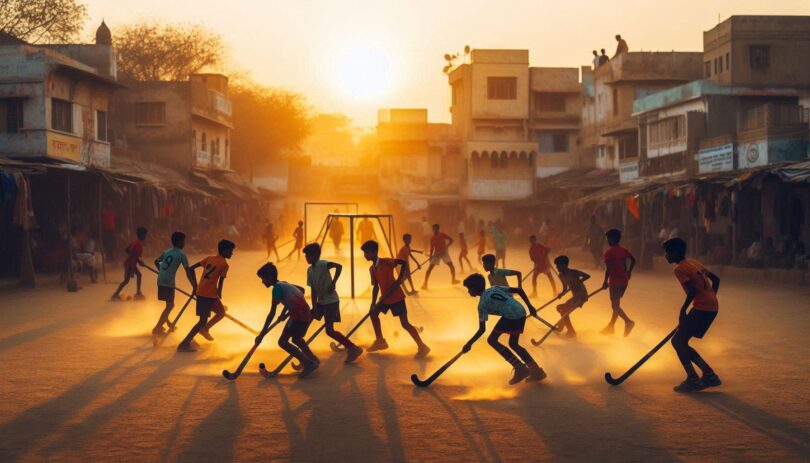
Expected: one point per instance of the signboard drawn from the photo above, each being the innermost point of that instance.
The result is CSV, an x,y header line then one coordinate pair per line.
x,y
64,146
716,159
628,172
752,154
203,158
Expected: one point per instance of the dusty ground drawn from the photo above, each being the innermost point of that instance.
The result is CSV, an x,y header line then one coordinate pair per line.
x,y
81,382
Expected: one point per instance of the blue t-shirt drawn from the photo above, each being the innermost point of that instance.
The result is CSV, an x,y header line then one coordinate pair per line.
x,y
168,263
497,300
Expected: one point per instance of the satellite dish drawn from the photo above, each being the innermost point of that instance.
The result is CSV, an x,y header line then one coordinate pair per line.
x,y
467,49
447,57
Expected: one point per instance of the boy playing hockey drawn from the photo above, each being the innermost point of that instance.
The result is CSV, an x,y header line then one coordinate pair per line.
x,y
134,252
298,235
497,276
539,256
406,253
325,302
701,288
295,307
462,253
393,299
572,280
209,293
167,265
617,277
499,300
439,242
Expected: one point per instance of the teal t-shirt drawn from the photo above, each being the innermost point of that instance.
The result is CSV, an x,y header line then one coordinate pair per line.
x,y
168,263
497,300
497,277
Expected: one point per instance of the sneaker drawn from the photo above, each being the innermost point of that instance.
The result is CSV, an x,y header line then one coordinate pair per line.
x,y
609,330
690,385
353,353
423,351
309,367
455,282
628,327
536,374
139,297
115,298
204,333
379,344
711,380
424,286
186,348
521,372
158,331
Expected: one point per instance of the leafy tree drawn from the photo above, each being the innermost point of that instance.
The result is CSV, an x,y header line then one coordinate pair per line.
x,y
154,51
36,21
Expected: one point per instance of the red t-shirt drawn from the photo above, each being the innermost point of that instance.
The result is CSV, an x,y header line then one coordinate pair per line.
x,y
134,252
616,260
404,253
439,242
382,273
539,255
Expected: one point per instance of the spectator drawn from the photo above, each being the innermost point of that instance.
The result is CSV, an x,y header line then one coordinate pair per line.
x,y
596,60
603,58
720,253
621,46
753,254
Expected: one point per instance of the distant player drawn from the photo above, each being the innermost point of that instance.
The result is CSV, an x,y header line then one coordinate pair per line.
x,y
439,244
406,253
617,277
701,288
499,240
167,265
134,252
209,293
298,235
336,232
365,231
393,299
593,241
270,239
573,280
462,253
296,309
325,301
499,300
538,254
482,243
497,276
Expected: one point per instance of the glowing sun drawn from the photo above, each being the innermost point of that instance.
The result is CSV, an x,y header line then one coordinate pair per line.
x,y
363,73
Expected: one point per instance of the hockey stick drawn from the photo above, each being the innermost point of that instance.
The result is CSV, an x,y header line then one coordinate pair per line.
x,y
616,381
427,382
274,373
158,340
556,327
232,376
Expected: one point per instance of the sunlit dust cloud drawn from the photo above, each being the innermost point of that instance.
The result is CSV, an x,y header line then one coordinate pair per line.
x,y
488,393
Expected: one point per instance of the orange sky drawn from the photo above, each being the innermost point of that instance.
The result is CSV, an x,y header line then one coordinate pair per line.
x,y
357,56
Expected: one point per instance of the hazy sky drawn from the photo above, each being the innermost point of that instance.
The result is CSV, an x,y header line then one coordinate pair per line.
x,y
357,56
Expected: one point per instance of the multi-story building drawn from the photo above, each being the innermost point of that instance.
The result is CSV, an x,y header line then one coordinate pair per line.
x,y
54,99
185,125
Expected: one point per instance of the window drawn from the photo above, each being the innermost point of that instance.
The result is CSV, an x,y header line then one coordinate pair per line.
x,y
759,56
728,62
61,115
204,142
707,69
502,88
665,131
151,113
715,66
553,141
194,140
101,125
628,147
11,115
615,101
549,102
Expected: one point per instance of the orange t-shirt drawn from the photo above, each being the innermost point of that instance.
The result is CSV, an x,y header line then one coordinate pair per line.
x,y
382,273
694,271
214,268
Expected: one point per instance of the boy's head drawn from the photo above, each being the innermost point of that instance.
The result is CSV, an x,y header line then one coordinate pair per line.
x,y
225,248
140,232
489,262
269,274
178,239
436,228
370,249
675,250
300,223
613,236
406,238
475,284
561,262
532,239
312,252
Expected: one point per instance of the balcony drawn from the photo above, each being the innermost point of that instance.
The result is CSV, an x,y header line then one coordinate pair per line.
x,y
203,159
779,118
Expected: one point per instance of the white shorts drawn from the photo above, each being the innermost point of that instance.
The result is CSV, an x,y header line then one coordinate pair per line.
x,y
441,257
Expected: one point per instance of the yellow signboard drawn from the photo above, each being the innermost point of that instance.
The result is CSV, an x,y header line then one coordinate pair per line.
x,y
64,146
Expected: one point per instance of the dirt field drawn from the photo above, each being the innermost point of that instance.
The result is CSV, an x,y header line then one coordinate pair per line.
x,y
82,382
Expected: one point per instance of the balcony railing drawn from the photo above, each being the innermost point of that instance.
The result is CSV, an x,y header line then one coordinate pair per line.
x,y
771,115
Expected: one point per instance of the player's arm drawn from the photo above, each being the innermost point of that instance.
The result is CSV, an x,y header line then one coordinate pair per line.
x,y
338,269
715,282
190,275
519,275
374,293
267,321
608,268
690,289
220,284
402,272
449,240
632,260
302,289
520,292
582,275
158,261
482,326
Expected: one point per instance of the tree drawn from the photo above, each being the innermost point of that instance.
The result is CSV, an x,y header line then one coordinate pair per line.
x,y
269,125
153,51
35,21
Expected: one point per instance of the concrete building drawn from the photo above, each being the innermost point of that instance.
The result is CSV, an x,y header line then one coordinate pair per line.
x,y
609,129
184,125
54,99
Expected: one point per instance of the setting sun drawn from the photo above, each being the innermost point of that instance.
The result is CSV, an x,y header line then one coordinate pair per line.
x,y
362,73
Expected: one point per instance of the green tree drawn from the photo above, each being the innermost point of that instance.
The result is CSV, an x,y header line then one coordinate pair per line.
x,y
38,21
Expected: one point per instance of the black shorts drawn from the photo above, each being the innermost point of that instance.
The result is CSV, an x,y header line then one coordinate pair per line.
x,y
166,293
617,292
330,312
204,305
697,322
397,308
295,328
510,326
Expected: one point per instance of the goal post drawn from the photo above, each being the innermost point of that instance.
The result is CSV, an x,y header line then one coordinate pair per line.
x,y
315,214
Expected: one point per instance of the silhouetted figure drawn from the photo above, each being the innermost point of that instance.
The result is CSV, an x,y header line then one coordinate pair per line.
x,y
617,277
298,235
270,239
595,60
621,46
594,237
336,232
462,253
406,253
167,265
538,253
497,276
134,252
603,58
439,244
573,280
365,231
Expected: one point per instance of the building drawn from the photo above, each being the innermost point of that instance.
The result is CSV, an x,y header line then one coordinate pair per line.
x,y
185,125
609,130
54,99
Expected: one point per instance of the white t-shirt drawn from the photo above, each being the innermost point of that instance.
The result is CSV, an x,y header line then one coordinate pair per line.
x,y
497,300
319,279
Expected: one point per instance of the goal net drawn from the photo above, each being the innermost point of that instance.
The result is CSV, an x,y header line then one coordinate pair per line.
x,y
315,214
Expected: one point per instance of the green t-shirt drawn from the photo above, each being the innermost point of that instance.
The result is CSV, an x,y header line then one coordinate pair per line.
x,y
168,262
319,279
497,277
